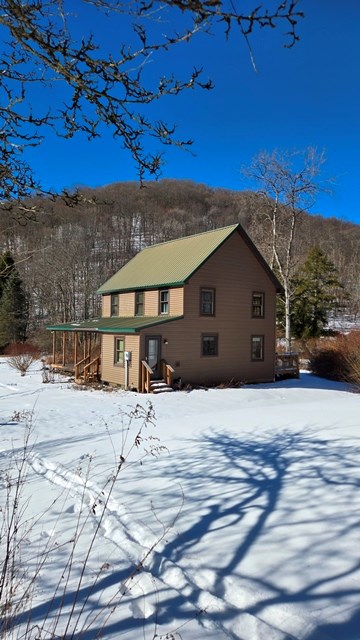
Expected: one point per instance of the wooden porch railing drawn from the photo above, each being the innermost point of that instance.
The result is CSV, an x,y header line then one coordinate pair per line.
x,y
91,370
167,372
146,372
79,368
287,364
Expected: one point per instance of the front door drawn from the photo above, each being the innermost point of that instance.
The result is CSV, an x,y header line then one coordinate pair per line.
x,y
153,354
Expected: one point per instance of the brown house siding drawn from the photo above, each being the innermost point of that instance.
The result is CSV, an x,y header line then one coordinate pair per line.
x,y
126,305
151,302
235,273
106,306
176,296
114,373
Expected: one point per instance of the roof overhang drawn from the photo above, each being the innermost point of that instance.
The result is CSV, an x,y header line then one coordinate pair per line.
x,y
114,325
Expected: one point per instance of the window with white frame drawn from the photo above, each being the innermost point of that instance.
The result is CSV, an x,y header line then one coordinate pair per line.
x,y
164,301
119,356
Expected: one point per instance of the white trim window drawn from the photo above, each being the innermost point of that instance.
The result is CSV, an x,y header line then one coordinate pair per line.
x,y
119,352
164,302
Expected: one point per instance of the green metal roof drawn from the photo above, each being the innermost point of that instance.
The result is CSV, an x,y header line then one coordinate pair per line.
x,y
114,325
167,264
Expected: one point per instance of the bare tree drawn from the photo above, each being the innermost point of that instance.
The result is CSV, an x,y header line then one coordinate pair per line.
x,y
43,45
288,185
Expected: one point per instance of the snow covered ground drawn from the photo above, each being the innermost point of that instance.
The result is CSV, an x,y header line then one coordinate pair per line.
x,y
245,524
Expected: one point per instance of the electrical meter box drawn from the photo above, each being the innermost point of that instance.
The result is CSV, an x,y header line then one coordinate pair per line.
x,y
128,356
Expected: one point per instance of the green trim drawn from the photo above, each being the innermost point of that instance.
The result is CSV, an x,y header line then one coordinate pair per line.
x,y
147,288
114,325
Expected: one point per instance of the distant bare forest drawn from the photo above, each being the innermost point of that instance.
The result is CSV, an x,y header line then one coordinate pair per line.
x,y
68,251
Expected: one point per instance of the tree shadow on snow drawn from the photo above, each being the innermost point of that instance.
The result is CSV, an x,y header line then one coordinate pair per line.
x,y
274,518
306,380
290,497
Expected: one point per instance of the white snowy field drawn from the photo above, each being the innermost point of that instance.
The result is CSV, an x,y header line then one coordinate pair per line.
x,y
245,525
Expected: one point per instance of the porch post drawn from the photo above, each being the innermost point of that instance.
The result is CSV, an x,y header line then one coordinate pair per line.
x,y
142,377
54,346
63,353
75,347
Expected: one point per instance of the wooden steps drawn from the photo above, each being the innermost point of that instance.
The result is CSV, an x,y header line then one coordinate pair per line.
x,y
160,386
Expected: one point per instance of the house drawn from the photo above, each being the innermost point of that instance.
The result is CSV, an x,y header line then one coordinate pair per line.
x,y
200,309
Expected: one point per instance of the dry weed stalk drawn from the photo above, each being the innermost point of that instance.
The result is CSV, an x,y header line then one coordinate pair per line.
x,y
67,613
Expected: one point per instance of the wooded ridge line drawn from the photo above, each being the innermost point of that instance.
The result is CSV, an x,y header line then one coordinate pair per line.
x,y
70,248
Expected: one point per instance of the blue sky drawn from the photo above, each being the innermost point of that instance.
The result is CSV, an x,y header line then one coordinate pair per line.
x,y
305,96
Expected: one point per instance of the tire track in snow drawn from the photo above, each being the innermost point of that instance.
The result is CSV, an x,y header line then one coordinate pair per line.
x,y
137,541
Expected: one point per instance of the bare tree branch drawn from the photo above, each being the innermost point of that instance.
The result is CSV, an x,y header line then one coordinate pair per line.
x,y
42,48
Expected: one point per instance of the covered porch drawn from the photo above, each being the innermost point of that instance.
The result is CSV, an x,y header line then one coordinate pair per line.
x,y
108,350
76,353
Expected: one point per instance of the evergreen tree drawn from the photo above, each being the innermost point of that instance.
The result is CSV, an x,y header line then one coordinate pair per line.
x,y
315,288
7,265
13,303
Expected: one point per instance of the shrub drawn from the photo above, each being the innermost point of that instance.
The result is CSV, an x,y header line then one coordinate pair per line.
x,y
352,356
21,348
21,362
338,358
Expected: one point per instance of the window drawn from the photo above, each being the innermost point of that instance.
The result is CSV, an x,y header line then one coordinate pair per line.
x,y
139,303
207,302
258,304
209,345
114,305
257,348
164,302
119,351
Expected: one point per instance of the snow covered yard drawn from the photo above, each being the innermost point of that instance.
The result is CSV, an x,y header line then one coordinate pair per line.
x,y
250,512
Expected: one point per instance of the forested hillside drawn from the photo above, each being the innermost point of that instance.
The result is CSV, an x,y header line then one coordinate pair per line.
x,y
66,252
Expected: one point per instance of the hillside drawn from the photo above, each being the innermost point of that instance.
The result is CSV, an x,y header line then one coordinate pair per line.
x,y
72,246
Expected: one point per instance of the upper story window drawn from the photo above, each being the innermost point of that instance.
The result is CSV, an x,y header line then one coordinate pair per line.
x,y
164,301
207,302
257,348
258,304
139,303
114,308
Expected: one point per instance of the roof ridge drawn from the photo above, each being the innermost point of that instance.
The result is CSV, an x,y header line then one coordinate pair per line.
x,y
169,263
192,235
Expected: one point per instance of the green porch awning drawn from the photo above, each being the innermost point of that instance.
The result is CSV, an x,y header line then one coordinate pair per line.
x,y
114,325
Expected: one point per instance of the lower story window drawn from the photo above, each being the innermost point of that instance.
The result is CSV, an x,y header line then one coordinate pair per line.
x,y
119,351
257,348
209,345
